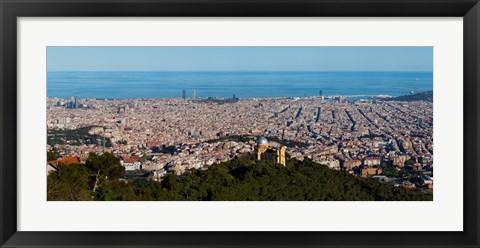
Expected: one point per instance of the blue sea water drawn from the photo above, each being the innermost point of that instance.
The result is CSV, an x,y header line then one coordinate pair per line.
x,y
242,84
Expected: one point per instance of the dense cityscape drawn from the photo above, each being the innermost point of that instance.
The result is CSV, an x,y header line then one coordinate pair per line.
x,y
390,140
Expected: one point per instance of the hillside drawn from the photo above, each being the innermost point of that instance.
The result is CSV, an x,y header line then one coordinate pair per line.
x,y
247,180
422,96
242,179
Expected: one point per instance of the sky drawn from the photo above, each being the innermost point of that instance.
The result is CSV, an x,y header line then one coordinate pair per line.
x,y
299,58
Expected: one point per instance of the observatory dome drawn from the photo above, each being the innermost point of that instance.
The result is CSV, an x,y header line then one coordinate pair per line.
x,y
262,141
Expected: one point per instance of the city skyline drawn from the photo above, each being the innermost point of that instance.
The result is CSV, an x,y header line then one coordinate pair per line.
x,y
386,140
277,132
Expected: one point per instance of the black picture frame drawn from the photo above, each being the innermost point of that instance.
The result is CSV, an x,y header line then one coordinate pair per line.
x,y
11,9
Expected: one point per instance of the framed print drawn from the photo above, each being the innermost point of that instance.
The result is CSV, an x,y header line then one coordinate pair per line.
x,y
226,123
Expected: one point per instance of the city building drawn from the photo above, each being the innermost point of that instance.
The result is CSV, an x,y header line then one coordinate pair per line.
x,y
263,145
64,161
347,135
370,171
281,156
131,164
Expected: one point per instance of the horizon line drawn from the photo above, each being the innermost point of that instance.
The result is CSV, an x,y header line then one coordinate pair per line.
x,y
267,97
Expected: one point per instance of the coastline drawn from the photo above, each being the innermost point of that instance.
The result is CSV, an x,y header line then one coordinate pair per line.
x,y
353,97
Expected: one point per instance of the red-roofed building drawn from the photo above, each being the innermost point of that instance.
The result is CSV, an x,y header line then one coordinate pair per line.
x,y
53,165
130,160
131,164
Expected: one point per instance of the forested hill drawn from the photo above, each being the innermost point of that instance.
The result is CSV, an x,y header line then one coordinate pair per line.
x,y
422,96
242,179
248,180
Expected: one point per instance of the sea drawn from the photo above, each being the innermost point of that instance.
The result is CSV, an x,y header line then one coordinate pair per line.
x,y
242,84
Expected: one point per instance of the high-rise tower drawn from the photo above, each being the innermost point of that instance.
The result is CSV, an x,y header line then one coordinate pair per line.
x,y
281,155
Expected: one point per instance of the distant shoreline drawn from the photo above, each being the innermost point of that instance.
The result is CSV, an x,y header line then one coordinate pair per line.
x,y
425,96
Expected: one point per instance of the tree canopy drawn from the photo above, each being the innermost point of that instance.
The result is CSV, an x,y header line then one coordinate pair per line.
x,y
107,165
242,179
51,156
68,183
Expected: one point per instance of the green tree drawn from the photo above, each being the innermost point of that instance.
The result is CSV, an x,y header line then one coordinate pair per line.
x,y
51,156
389,170
68,183
105,166
114,190
241,179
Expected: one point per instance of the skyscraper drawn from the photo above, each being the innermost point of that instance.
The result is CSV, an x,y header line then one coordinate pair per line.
x,y
74,103
184,94
320,93
193,94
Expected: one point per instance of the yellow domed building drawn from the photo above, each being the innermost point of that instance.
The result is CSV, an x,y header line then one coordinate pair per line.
x,y
263,145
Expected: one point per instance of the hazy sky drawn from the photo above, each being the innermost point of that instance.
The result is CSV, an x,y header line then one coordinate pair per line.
x,y
239,58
